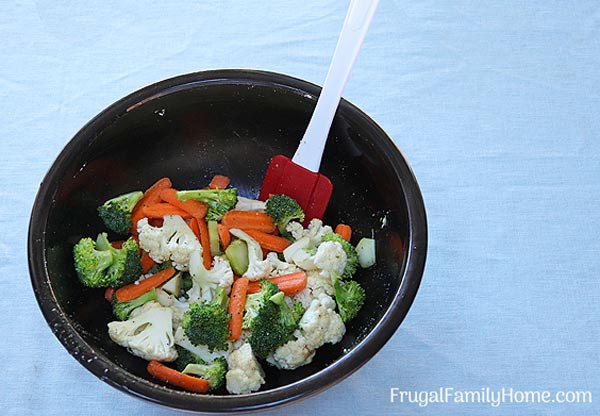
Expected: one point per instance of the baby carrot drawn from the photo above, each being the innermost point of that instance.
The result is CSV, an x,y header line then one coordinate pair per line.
x,y
161,209
344,230
177,378
290,284
194,208
268,241
151,196
200,228
108,293
237,302
248,220
136,289
224,236
147,262
219,182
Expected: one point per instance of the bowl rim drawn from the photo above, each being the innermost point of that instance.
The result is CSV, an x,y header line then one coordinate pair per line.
x,y
101,366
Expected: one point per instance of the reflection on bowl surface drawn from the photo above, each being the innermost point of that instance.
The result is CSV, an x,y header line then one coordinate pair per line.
x,y
228,122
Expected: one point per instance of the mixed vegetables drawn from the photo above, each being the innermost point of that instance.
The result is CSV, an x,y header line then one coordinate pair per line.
x,y
209,286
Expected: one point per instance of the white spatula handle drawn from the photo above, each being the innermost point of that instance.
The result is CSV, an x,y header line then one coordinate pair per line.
x,y
358,18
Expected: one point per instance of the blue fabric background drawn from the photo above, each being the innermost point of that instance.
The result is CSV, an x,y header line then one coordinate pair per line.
x,y
494,103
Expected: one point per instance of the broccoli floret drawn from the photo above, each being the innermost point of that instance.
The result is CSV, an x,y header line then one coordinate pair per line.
x,y
99,264
274,323
255,301
116,212
284,209
207,323
349,296
214,372
122,310
185,357
219,201
351,254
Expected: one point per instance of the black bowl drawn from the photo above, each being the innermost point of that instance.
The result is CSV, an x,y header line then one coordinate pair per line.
x,y
228,122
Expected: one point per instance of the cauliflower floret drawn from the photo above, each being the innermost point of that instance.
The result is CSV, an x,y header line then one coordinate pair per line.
x,y
315,230
165,299
319,262
330,257
301,253
173,241
292,354
247,204
241,340
279,267
170,301
148,333
295,229
205,282
179,309
245,374
319,325
317,283
257,267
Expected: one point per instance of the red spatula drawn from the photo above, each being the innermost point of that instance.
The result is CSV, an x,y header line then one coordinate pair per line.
x,y
298,177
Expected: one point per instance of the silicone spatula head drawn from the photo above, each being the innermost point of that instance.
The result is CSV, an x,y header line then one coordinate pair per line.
x,y
298,177
311,190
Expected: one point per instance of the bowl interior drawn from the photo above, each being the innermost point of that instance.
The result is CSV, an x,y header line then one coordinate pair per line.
x,y
189,129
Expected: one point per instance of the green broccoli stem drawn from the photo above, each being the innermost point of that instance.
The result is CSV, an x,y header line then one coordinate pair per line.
x,y
102,243
122,310
214,372
185,357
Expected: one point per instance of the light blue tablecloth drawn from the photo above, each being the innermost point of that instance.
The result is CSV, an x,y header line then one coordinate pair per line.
x,y
496,105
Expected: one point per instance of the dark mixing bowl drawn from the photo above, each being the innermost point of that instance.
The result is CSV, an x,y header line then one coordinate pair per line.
x,y
228,122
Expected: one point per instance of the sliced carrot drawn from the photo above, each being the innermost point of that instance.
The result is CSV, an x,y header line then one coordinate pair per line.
x,y
117,244
200,228
177,378
136,289
344,230
151,196
136,215
219,182
224,236
268,241
194,226
248,220
108,293
237,302
290,284
161,209
194,208
147,262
